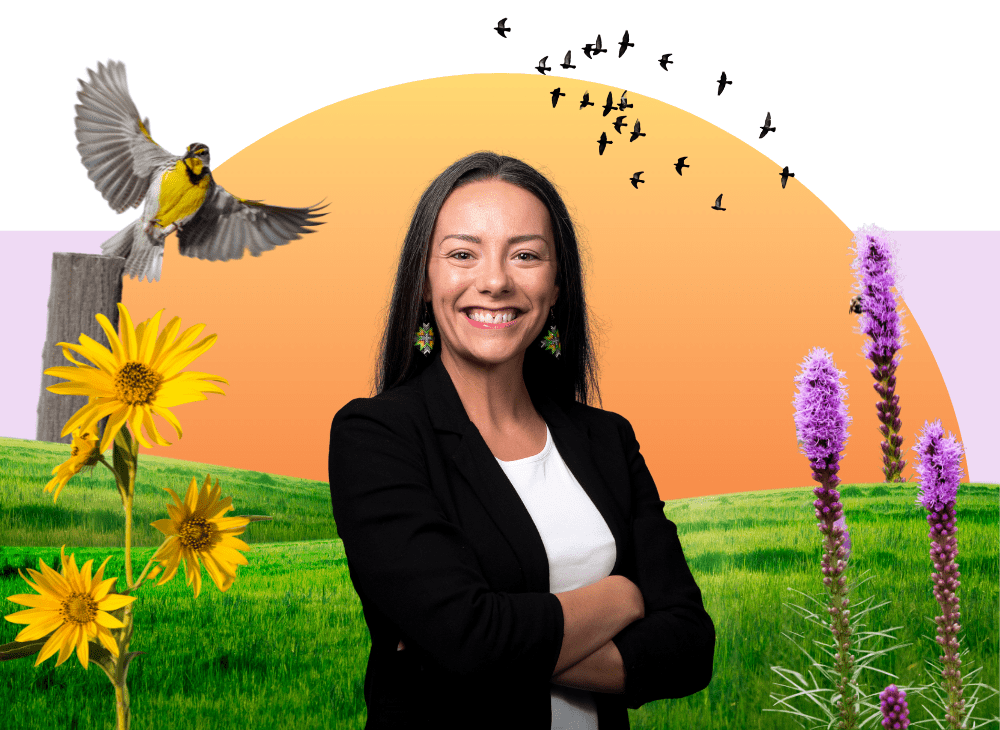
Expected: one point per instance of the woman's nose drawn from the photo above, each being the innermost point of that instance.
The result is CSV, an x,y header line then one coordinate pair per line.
x,y
400,647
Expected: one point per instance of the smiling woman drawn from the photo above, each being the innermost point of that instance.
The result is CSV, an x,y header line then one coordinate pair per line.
x,y
506,539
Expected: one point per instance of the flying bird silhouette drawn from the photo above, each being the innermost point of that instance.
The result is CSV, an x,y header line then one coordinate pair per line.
x,y
541,67
718,203
664,60
179,192
855,304
619,123
785,174
608,105
588,49
636,133
680,164
604,141
566,63
623,104
597,46
767,128
722,83
586,100
555,96
501,29
635,179
621,51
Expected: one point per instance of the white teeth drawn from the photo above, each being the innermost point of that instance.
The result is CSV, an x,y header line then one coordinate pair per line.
x,y
488,318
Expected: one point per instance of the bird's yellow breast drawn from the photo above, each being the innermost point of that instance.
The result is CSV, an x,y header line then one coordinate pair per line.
x,y
180,198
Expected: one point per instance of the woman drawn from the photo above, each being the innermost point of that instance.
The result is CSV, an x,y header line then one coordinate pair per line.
x,y
506,540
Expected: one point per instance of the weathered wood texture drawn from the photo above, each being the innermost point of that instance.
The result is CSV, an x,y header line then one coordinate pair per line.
x,y
83,285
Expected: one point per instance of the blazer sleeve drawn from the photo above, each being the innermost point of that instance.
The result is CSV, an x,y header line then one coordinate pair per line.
x,y
417,567
668,653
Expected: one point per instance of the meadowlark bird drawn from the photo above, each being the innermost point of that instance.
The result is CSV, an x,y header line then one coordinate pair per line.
x,y
180,195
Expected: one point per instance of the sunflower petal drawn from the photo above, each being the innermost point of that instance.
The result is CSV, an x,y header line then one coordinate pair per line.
x,y
83,647
191,498
169,418
40,627
164,342
56,580
73,638
52,645
105,637
115,424
167,397
105,619
167,527
222,552
234,542
99,575
147,422
33,615
114,601
97,353
181,360
102,588
219,508
147,342
128,332
35,600
135,421
116,345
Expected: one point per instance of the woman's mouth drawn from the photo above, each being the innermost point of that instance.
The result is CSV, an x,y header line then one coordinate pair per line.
x,y
486,321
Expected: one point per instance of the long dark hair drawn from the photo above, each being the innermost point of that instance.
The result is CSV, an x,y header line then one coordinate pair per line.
x,y
571,376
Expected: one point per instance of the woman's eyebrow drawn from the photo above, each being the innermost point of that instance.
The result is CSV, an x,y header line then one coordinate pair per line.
x,y
510,241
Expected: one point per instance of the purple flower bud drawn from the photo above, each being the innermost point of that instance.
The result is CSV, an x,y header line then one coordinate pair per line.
x,y
895,711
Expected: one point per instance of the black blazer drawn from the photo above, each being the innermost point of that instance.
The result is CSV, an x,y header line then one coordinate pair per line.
x,y
445,557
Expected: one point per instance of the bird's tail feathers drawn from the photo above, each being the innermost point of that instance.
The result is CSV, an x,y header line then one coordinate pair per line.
x,y
143,256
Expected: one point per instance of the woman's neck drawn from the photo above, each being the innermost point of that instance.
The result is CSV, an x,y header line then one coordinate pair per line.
x,y
495,397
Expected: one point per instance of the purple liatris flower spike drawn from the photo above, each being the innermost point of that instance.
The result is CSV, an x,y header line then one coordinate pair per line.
x,y
875,264
939,473
895,713
821,421
842,524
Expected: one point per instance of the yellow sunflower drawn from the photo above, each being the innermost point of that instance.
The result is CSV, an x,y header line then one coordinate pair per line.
x,y
196,528
71,606
84,454
136,379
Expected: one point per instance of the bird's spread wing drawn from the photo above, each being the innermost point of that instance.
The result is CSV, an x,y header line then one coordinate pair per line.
x,y
114,141
225,225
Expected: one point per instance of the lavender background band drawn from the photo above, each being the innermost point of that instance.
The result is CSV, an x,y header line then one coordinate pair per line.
x,y
945,278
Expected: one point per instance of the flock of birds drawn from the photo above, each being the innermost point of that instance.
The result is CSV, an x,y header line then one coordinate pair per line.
x,y
593,50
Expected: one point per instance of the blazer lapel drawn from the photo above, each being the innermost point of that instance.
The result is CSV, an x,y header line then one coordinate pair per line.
x,y
477,465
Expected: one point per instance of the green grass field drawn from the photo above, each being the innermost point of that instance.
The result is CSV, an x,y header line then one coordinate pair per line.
x,y
287,645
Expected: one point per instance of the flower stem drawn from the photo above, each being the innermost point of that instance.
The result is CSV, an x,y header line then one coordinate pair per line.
x,y
888,413
944,549
828,511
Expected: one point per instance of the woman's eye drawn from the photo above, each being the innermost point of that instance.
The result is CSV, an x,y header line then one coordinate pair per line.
x,y
466,253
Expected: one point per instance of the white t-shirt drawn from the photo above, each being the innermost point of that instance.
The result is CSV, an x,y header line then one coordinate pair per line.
x,y
580,548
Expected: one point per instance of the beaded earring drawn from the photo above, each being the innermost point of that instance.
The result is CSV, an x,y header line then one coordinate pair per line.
x,y
424,339
551,341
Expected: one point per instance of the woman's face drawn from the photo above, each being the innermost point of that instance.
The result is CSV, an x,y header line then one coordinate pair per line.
x,y
492,247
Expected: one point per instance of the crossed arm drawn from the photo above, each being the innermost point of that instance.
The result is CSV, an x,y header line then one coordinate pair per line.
x,y
602,671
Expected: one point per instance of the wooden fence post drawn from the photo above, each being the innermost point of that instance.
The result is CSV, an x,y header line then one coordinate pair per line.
x,y
83,285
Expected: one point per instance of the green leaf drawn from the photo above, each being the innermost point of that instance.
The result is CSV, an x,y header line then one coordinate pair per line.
x,y
122,458
21,649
